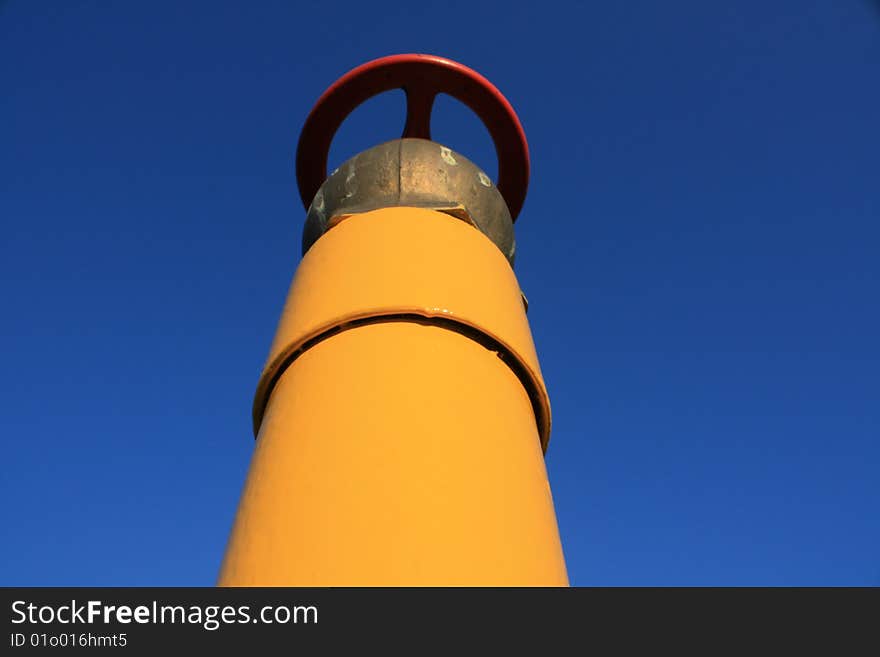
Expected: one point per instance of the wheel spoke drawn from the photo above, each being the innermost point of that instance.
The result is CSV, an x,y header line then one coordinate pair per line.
x,y
419,103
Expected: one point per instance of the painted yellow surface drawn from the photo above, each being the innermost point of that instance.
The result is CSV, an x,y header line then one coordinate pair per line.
x,y
396,451
409,260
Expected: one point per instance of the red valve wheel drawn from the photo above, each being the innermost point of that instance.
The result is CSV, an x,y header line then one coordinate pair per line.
x,y
422,77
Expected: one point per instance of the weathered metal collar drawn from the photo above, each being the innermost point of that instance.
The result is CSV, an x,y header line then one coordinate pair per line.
x,y
417,173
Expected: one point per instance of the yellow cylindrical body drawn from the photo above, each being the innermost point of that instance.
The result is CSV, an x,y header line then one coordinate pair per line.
x,y
401,419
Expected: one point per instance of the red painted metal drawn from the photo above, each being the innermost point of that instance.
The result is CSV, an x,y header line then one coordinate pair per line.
x,y
422,77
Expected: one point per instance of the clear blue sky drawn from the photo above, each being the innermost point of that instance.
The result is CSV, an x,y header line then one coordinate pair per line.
x,y
700,248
